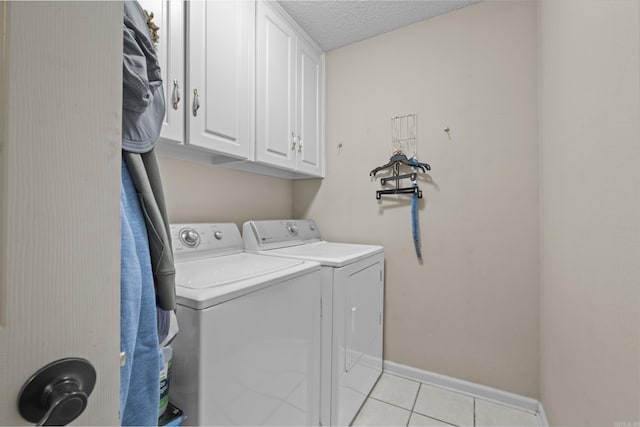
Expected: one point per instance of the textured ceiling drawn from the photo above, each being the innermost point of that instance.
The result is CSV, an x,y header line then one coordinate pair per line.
x,y
336,23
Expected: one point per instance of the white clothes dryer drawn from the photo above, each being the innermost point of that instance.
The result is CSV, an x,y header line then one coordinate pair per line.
x,y
248,348
352,309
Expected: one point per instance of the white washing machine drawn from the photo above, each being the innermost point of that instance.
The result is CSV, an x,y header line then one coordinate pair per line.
x,y
248,348
352,309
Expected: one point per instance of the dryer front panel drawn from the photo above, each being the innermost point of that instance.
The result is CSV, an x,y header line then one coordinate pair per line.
x,y
363,317
358,331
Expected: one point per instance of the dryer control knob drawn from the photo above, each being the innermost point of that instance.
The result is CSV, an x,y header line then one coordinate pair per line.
x,y
190,237
293,230
218,235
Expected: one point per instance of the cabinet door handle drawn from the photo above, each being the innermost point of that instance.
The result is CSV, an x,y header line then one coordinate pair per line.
x,y
175,95
196,103
293,141
299,144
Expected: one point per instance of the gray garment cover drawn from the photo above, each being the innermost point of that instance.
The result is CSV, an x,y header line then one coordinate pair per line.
x,y
143,104
142,116
145,175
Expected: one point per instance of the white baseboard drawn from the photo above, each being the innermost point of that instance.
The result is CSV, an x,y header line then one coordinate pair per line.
x,y
462,386
542,417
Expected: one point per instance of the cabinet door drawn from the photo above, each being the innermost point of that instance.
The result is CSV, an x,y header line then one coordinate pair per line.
x,y
310,110
221,47
275,125
168,15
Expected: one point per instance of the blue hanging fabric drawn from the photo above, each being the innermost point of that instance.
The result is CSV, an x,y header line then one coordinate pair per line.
x,y
140,375
414,212
396,160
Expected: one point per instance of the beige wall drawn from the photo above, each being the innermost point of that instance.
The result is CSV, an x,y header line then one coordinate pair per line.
x,y
197,192
590,216
470,310
534,295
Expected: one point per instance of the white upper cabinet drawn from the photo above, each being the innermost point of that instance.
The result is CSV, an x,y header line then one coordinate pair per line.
x,y
289,95
276,77
309,119
169,17
221,51
244,87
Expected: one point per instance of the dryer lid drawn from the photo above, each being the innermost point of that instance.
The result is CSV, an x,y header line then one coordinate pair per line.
x,y
330,254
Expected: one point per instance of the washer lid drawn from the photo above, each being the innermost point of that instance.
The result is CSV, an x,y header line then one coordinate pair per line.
x,y
223,270
330,254
204,283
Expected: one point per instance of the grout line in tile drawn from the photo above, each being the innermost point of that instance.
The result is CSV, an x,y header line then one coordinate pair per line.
x,y
424,415
474,396
416,398
438,419
434,418
474,411
358,413
414,403
389,403
367,398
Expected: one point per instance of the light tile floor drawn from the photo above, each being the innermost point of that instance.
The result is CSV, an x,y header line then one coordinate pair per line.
x,y
397,401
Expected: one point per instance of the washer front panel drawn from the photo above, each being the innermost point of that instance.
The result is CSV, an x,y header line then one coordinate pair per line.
x,y
204,240
253,360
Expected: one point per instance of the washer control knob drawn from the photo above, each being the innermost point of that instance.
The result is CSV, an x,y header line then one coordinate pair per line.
x,y
312,227
293,230
190,237
218,235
